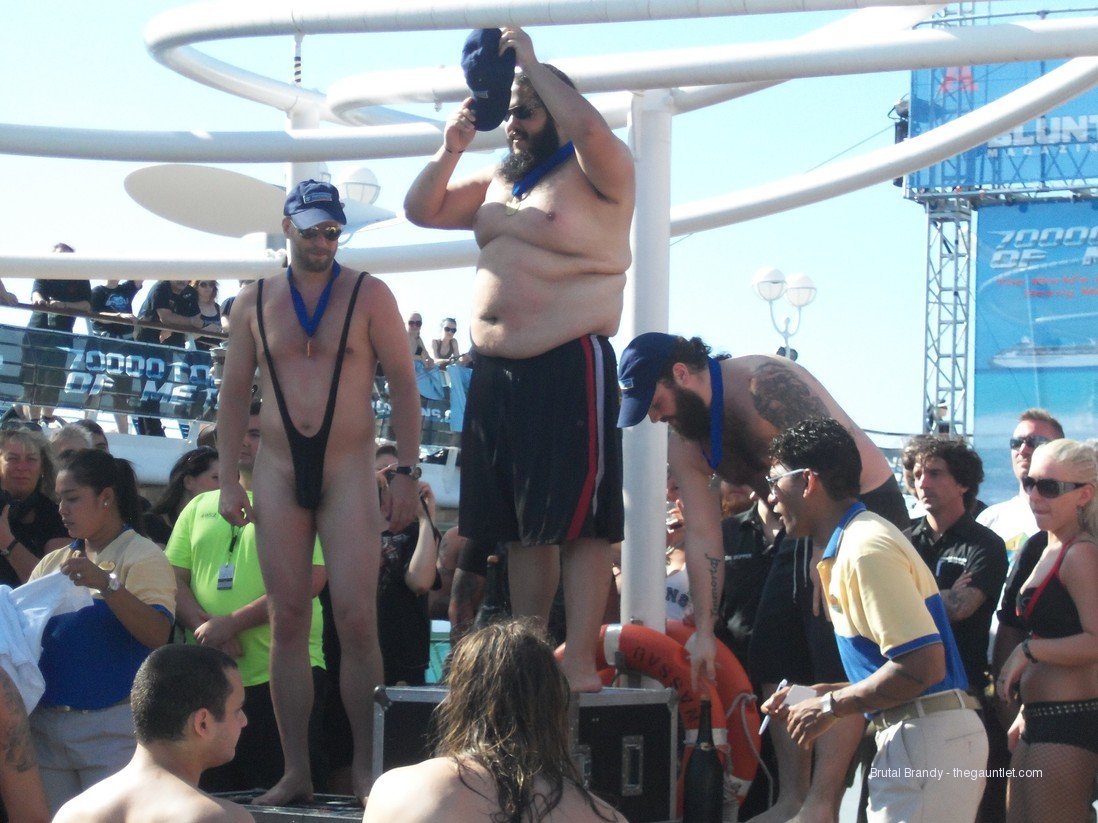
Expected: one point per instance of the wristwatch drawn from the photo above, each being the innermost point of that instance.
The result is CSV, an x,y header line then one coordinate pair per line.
x,y
828,704
412,471
113,584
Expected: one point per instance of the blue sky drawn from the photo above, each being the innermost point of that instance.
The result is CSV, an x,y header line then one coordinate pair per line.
x,y
85,65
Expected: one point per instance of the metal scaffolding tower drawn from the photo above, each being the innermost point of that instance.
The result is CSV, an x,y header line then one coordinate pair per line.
x,y
948,302
950,200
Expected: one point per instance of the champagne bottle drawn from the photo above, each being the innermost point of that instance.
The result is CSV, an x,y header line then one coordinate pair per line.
x,y
493,607
703,783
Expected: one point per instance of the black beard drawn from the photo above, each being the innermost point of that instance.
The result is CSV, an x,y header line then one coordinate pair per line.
x,y
518,164
691,416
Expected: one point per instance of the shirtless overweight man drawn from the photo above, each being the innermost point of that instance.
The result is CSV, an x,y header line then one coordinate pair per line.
x,y
314,472
546,469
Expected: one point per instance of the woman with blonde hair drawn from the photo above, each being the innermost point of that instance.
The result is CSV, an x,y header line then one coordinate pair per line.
x,y
1054,671
29,523
503,748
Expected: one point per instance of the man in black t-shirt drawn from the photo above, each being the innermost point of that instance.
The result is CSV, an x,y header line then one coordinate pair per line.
x,y
969,563
173,303
115,298
44,362
968,560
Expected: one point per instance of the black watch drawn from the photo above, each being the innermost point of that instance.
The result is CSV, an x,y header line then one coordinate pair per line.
x,y
412,471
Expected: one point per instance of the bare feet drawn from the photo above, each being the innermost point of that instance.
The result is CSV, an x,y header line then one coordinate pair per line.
x,y
290,789
778,813
362,779
581,678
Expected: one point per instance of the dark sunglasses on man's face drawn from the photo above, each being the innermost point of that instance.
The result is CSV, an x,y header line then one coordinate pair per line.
x,y
415,322
1031,440
1048,488
523,112
329,233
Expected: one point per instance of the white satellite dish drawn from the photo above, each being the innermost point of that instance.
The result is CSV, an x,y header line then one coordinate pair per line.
x,y
213,200
231,204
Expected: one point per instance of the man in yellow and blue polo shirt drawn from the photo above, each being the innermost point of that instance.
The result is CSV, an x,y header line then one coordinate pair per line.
x,y
905,673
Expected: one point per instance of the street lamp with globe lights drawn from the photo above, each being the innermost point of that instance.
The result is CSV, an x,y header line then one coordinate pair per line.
x,y
799,290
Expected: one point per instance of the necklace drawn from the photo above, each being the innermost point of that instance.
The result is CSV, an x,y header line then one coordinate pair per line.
x,y
310,324
522,188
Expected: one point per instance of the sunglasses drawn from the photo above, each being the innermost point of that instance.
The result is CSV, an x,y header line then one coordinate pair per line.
x,y
1050,489
523,112
415,322
206,285
1031,440
328,232
449,329
773,482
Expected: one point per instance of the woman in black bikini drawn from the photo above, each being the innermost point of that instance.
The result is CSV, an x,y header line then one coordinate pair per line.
x,y
446,347
1054,672
415,341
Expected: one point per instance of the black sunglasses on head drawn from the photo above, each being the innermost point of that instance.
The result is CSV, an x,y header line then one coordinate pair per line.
x,y
1048,488
1031,440
329,232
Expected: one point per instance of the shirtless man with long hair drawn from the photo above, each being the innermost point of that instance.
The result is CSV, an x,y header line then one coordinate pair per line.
x,y
503,745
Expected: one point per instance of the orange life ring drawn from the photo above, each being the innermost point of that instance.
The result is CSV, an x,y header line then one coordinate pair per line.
x,y
662,657
738,698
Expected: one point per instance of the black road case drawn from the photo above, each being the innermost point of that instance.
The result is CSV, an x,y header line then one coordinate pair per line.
x,y
624,743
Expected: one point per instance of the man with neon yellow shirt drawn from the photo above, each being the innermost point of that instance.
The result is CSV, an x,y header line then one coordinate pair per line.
x,y
223,603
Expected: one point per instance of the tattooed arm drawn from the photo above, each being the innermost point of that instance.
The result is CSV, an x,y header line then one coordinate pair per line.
x,y
782,398
704,548
20,784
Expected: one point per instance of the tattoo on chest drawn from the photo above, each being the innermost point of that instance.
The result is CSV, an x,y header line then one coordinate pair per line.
x,y
782,399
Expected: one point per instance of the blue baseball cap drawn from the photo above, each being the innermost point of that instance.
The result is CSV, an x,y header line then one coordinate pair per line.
x,y
311,203
639,371
489,76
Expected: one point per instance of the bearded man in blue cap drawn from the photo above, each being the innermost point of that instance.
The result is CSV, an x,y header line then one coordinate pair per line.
x,y
541,459
314,474
724,412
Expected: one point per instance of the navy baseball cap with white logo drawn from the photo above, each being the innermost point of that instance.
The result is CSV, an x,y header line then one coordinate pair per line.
x,y
489,76
639,371
311,203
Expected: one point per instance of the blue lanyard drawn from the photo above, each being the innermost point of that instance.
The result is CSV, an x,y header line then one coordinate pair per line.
x,y
716,416
533,177
309,324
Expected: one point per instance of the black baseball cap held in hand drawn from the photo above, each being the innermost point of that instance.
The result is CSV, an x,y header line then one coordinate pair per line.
x,y
489,76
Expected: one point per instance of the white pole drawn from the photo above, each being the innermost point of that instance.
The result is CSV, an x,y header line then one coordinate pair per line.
x,y
301,116
646,309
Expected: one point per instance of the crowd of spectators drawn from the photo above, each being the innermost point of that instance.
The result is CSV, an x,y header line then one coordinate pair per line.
x,y
771,597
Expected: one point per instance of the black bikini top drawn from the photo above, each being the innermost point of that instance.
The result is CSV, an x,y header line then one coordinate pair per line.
x,y
1047,609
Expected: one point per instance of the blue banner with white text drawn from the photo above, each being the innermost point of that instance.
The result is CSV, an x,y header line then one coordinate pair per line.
x,y
1036,310
1060,147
